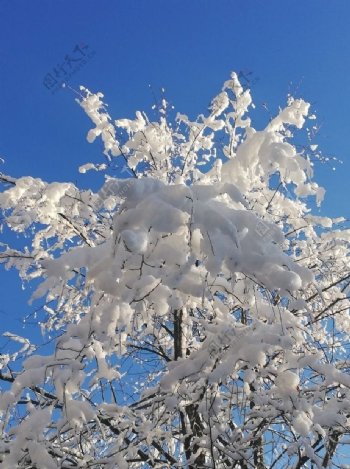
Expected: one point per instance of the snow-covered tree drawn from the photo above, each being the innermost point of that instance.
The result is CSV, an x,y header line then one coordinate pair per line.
x,y
199,311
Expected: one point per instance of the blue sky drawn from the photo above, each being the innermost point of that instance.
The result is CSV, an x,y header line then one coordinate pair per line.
x,y
188,47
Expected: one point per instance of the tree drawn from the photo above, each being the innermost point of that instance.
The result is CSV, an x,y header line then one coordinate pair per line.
x,y
200,312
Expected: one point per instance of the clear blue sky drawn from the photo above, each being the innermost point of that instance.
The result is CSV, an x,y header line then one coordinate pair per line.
x,y
187,46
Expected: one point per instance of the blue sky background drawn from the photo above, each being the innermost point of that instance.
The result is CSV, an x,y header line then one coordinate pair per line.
x,y
187,46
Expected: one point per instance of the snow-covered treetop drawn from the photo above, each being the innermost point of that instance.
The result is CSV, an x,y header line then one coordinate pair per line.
x,y
205,275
